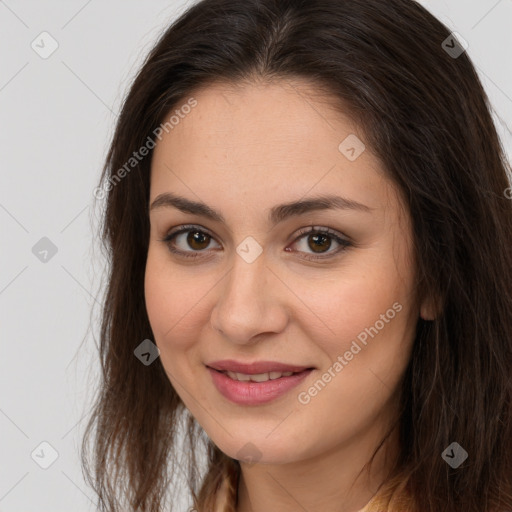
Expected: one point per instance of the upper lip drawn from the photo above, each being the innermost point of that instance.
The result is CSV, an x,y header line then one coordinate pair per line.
x,y
255,367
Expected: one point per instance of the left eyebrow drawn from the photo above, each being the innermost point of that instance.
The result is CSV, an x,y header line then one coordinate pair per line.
x,y
277,214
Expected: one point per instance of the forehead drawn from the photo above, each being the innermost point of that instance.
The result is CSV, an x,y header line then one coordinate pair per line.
x,y
286,111
266,140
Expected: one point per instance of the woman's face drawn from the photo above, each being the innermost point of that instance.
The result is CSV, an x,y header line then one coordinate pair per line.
x,y
250,284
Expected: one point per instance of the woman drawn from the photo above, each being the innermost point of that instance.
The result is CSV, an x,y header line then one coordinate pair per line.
x,y
310,245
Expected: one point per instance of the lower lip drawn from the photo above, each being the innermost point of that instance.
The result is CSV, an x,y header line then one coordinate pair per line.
x,y
255,393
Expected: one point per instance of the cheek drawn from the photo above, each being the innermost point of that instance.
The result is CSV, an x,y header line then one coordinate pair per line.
x,y
176,304
167,299
159,297
366,320
366,358
170,311
344,307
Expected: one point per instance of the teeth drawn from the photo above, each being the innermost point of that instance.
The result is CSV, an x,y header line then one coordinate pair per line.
x,y
259,377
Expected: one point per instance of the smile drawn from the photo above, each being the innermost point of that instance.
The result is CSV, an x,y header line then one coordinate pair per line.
x,y
256,389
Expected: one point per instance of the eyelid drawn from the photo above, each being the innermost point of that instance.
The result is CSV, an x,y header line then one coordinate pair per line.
x,y
322,229
188,227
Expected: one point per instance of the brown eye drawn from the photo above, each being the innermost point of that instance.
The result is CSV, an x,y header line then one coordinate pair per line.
x,y
191,245
319,240
198,240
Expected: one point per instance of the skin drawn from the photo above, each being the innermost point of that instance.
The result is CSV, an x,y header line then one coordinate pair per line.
x,y
242,150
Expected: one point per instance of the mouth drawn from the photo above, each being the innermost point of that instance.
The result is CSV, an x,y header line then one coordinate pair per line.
x,y
253,385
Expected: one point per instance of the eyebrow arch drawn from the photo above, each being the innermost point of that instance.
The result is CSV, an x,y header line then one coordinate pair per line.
x,y
276,214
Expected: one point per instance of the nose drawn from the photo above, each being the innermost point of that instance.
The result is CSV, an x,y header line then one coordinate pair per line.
x,y
250,302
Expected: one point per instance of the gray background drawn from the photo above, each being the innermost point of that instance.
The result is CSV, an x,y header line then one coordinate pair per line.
x,y
57,117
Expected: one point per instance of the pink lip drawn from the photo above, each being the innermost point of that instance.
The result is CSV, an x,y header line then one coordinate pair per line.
x,y
255,393
254,368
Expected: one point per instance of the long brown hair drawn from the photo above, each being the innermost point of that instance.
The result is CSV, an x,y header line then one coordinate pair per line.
x,y
416,95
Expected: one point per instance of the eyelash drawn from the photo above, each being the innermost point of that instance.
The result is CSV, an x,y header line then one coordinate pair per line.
x,y
344,244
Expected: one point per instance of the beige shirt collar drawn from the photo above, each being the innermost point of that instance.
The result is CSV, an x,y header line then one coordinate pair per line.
x,y
386,501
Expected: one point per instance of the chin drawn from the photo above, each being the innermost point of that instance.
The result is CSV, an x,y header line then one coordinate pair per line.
x,y
258,450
